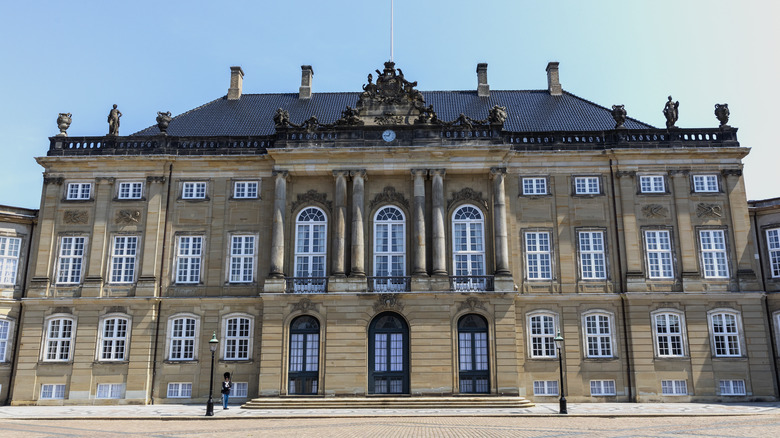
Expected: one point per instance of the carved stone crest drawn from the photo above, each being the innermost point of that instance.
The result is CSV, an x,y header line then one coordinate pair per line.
x,y
655,211
128,216
391,88
75,217
709,210
388,301
471,304
467,194
304,305
312,196
389,196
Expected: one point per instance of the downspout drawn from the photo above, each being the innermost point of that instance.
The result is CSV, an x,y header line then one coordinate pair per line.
x,y
623,284
159,287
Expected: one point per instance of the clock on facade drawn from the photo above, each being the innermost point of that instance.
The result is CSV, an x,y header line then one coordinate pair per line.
x,y
388,135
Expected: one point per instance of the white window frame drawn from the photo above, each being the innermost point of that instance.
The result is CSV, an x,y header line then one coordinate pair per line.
x,y
587,185
70,259
189,259
311,249
592,246
714,253
182,340
110,391
468,255
540,335
193,190
130,190
113,347
773,249
179,390
232,343
534,186
604,388
545,387
59,343
652,184
603,342
52,391
389,250
669,337
725,337
239,390
246,189
6,340
657,253
705,183
538,255
79,191
242,257
124,255
732,387
10,249
674,387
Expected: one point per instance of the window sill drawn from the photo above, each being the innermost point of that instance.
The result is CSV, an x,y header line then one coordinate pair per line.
x,y
236,361
180,362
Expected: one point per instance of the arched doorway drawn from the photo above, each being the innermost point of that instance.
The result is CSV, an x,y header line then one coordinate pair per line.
x,y
388,352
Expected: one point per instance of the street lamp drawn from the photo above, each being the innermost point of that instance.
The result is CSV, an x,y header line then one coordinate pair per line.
x,y
213,343
559,343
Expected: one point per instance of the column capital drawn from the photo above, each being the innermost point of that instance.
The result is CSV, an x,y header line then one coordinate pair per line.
x,y
731,172
622,173
108,179
58,180
419,172
281,174
439,172
679,172
358,172
338,173
496,171
155,179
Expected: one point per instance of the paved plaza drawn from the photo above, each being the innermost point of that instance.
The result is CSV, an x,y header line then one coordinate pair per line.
x,y
591,419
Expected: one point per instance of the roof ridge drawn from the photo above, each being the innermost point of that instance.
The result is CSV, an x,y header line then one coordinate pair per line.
x,y
606,109
184,113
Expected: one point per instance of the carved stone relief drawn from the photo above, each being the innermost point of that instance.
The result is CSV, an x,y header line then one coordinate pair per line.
x,y
709,210
304,305
390,196
157,179
471,304
655,211
467,194
312,196
128,216
58,180
388,302
75,217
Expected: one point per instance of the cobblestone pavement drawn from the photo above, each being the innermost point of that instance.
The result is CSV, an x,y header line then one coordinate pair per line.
x,y
386,427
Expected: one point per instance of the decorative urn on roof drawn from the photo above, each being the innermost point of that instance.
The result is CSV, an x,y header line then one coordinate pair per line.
x,y
63,122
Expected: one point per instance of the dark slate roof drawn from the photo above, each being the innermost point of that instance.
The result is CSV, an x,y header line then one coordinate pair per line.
x,y
528,111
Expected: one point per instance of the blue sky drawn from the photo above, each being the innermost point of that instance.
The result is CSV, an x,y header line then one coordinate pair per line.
x,y
82,57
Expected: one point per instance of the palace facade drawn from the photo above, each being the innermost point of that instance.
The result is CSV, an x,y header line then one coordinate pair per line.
x,y
393,242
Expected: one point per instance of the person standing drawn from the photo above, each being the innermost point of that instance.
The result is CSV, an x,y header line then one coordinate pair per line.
x,y
226,385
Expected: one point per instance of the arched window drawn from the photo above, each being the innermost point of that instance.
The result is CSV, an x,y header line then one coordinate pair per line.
x,y
389,250
468,249
473,354
114,336
183,333
310,237
388,352
304,355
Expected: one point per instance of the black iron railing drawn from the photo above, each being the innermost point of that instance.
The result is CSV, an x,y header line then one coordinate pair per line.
x,y
307,285
389,284
471,283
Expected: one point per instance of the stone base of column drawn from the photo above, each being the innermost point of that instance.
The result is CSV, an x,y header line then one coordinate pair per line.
x,y
747,280
503,283
347,284
420,283
146,287
274,285
92,287
439,284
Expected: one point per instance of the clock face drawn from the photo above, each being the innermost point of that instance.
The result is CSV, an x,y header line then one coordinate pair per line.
x,y
388,135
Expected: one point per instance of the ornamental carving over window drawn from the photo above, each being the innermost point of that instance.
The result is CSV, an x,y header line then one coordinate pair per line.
x,y
709,210
75,217
312,196
388,302
467,194
389,196
655,211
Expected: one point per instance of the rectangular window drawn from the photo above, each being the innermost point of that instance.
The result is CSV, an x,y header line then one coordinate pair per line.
x,y
592,257
545,387
123,259
713,253
130,190
602,387
538,255
193,190
242,257
658,246
732,387
651,184
188,259
542,336
79,191
598,335
239,390
668,332
773,246
114,339
180,390
237,339
725,334
705,183
245,190
586,185
534,186
182,339
9,259
58,340
674,387
52,392
110,390
5,333
71,260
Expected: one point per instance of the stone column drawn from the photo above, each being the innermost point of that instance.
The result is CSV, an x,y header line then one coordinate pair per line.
x,y
437,222
744,247
681,189
498,174
277,233
339,224
419,266
358,246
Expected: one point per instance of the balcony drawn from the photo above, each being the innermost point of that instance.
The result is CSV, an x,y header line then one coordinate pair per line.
x,y
306,285
389,284
471,283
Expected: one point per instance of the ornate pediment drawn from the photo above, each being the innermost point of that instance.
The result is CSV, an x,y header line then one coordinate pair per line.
x,y
467,194
388,302
389,196
312,196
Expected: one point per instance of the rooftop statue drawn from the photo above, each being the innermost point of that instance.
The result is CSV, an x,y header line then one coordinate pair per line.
x,y
619,114
497,115
63,122
163,120
722,113
391,88
671,113
281,118
113,121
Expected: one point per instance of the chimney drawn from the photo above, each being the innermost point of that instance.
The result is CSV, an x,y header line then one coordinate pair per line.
x,y
553,81
483,89
236,81
306,75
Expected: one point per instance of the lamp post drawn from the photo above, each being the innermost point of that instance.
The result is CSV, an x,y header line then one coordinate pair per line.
x,y
559,343
213,343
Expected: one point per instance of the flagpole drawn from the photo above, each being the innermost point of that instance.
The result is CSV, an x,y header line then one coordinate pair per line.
x,y
391,30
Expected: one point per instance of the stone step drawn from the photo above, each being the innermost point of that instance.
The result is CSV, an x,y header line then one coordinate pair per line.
x,y
387,402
